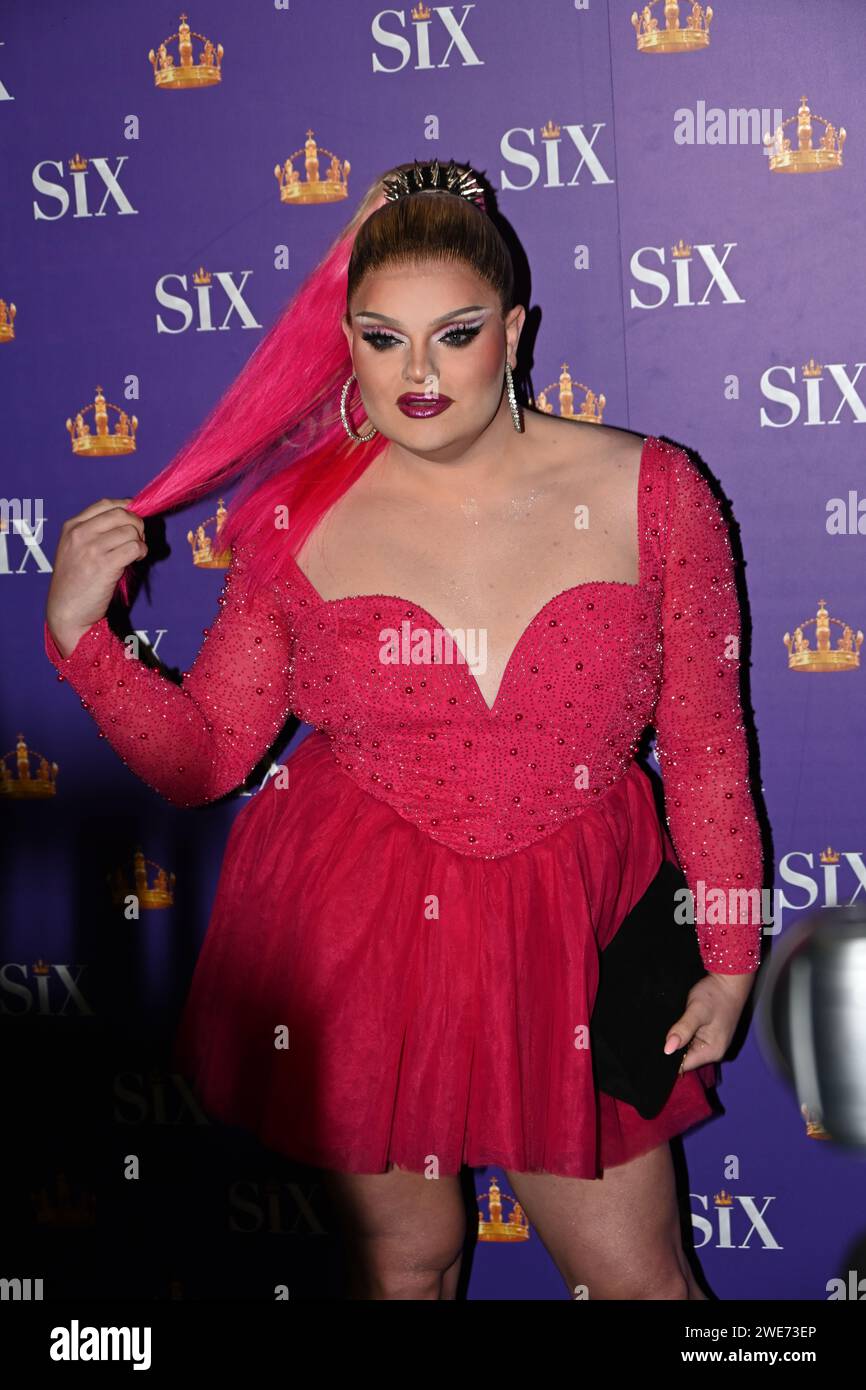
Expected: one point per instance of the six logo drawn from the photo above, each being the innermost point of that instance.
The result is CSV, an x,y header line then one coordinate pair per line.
x,y
526,159
84,174
31,536
811,886
204,302
728,1236
842,393
141,635
37,990
683,276
429,38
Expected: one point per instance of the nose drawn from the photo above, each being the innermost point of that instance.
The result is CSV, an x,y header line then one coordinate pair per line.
x,y
418,366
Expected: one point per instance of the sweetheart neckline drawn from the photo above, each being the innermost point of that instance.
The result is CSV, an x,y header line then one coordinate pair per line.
x,y
563,593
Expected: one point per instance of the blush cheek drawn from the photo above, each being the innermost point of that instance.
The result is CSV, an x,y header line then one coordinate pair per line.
x,y
376,381
484,377
491,357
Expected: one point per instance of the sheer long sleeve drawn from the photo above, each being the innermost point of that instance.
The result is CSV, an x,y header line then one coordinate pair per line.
x,y
195,741
701,742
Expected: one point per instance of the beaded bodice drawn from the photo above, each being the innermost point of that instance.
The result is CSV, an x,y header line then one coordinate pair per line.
x,y
597,664
575,695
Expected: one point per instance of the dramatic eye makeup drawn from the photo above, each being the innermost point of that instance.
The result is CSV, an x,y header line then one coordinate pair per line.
x,y
459,332
458,335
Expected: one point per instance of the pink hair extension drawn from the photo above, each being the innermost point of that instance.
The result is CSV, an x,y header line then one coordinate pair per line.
x,y
278,427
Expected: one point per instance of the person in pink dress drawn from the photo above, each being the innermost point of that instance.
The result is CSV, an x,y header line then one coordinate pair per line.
x,y
480,608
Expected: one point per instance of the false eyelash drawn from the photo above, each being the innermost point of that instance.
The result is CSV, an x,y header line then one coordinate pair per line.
x,y
378,338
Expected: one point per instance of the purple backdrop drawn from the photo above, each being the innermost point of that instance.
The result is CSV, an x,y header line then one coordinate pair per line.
x,y
605,158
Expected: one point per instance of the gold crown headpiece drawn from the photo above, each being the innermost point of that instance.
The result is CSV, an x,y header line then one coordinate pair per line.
x,y
432,176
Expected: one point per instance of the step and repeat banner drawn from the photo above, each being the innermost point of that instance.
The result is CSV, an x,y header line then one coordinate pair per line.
x,y
687,184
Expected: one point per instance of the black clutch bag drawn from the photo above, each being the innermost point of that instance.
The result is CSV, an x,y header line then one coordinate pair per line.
x,y
646,973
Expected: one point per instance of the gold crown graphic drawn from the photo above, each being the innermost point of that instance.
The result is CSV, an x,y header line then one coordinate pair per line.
x,y
591,408
672,39
201,276
187,73
26,785
159,894
77,165
845,656
812,368
330,189
681,251
60,1209
830,855
7,321
806,158
204,552
420,12
103,443
723,1199
551,131
493,1227
40,967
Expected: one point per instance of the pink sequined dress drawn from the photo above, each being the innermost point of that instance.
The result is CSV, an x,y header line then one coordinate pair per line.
x,y
422,906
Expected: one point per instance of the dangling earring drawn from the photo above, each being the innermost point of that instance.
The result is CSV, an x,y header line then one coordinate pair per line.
x,y
512,398
359,438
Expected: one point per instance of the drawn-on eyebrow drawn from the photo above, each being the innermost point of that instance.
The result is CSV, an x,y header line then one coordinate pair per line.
x,y
467,309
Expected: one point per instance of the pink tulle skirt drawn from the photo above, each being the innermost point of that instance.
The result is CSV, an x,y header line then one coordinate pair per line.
x,y
366,995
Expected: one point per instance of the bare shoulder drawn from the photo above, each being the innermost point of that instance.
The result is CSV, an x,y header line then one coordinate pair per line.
x,y
570,448
621,450
616,470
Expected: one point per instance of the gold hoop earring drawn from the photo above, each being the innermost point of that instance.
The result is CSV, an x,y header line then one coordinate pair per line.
x,y
358,438
512,398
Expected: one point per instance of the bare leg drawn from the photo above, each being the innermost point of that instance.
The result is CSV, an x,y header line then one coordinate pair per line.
x,y
404,1232
618,1235
450,1279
